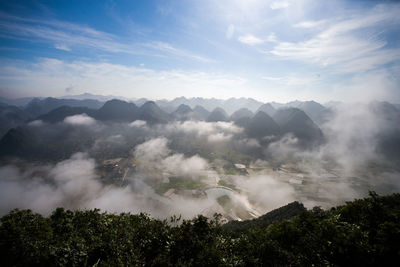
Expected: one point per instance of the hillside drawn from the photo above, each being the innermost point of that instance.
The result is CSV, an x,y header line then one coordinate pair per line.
x,y
364,232
296,121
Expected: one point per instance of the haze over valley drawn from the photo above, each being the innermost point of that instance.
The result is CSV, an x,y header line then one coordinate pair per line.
x,y
237,157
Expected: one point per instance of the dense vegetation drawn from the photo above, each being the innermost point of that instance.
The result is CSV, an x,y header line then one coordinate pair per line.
x,y
364,232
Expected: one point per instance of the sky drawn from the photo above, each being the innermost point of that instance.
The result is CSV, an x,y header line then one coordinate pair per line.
x,y
281,51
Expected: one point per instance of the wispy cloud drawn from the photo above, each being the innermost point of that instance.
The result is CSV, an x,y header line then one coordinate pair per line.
x,y
292,80
62,47
272,38
250,39
309,24
269,78
169,49
279,4
230,31
353,43
51,77
65,35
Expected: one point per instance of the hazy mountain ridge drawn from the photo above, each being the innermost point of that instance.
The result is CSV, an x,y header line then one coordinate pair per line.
x,y
10,117
239,166
38,107
296,121
262,125
289,120
314,109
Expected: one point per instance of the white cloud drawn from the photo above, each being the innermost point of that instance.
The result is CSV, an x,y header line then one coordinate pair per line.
x,y
292,80
250,39
81,119
230,31
376,85
62,47
309,24
152,150
179,164
50,77
351,45
272,38
154,154
269,78
279,4
267,192
65,35
219,137
138,123
202,128
169,49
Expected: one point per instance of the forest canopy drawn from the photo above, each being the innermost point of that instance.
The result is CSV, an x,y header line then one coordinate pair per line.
x,y
364,232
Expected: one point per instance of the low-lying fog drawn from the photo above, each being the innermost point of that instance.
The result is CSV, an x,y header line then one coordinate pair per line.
x,y
188,167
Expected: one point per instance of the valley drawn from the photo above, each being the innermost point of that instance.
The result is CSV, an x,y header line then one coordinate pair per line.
x,y
191,161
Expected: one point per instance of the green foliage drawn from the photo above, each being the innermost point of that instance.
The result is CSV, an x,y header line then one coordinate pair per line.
x,y
224,183
232,170
364,232
277,215
180,183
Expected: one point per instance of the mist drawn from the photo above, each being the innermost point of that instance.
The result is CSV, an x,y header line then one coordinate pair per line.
x,y
187,167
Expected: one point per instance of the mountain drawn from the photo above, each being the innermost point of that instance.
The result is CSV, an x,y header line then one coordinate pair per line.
x,y
19,102
10,117
283,213
139,102
180,101
262,125
233,104
317,112
16,142
165,105
182,113
241,113
113,110
277,105
100,98
46,143
38,107
230,105
388,139
296,121
386,111
200,113
363,232
59,114
241,117
152,113
218,114
207,103
117,110
267,108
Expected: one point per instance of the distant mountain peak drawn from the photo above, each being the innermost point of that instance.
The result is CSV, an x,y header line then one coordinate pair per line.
x,y
118,110
262,125
152,113
267,108
218,114
183,109
241,113
296,121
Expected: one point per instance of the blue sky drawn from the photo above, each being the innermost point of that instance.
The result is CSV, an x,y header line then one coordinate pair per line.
x,y
268,50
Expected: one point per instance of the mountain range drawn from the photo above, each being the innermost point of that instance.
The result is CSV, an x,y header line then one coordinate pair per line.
x,y
262,121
